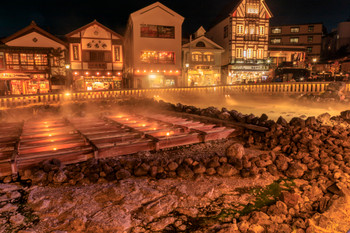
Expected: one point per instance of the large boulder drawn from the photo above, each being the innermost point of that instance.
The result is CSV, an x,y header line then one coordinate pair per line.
x,y
226,170
235,150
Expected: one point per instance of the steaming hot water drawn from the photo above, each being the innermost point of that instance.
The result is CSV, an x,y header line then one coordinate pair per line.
x,y
273,106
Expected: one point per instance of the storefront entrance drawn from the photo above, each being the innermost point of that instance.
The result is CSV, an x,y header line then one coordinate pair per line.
x,y
96,84
203,78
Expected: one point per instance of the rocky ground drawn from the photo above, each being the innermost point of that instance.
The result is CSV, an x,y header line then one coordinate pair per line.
x,y
295,177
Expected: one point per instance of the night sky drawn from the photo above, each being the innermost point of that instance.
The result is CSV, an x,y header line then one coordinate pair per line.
x,y
62,17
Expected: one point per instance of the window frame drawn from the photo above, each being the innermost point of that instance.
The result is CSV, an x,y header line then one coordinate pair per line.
x,y
295,29
157,31
291,38
272,39
277,28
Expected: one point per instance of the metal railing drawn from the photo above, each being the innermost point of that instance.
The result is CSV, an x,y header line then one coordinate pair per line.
x,y
262,88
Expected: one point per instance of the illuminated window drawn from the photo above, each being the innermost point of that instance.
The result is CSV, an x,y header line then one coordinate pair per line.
x,y
2,61
27,59
294,29
240,30
262,30
157,57
276,30
157,31
294,40
41,59
276,41
310,28
208,57
197,56
239,53
253,9
116,53
251,30
250,53
76,52
12,58
226,31
260,53
310,39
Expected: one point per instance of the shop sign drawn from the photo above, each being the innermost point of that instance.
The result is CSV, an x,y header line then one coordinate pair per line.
x,y
203,67
98,80
249,68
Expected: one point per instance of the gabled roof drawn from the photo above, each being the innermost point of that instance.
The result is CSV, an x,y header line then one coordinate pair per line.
x,y
232,7
95,22
202,38
32,28
155,5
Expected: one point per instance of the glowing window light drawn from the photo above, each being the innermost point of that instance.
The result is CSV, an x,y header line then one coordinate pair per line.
x,y
87,73
137,71
177,71
157,71
171,71
75,73
144,71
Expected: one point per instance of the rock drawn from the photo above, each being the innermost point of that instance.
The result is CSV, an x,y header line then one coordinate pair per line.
x,y
184,171
297,122
282,121
280,208
210,171
141,170
122,174
161,224
39,176
60,177
311,121
8,208
282,162
9,188
323,118
173,166
345,115
296,170
236,151
7,179
9,196
290,199
225,116
214,162
17,219
199,169
243,226
258,217
226,170
256,228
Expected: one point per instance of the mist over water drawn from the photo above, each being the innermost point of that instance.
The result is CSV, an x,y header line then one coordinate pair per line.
x,y
273,106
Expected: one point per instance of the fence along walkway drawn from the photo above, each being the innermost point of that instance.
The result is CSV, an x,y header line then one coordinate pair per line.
x,y
265,88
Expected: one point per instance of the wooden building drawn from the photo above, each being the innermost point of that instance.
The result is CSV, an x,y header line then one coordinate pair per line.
x,y
153,43
30,61
242,30
201,61
96,58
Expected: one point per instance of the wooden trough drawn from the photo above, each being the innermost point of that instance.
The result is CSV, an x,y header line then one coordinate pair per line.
x,y
73,140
